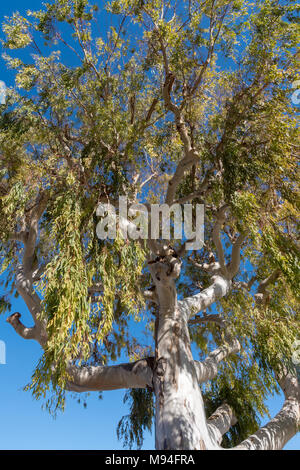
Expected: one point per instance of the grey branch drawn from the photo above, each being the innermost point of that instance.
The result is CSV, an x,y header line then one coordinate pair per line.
x,y
222,279
214,318
33,303
201,191
151,296
30,242
234,264
220,422
133,375
18,236
190,306
25,333
275,434
24,276
208,369
220,219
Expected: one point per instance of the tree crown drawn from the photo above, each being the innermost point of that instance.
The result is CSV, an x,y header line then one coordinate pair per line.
x,y
100,112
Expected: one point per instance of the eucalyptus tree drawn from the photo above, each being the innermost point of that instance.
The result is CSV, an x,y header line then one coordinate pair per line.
x,y
176,103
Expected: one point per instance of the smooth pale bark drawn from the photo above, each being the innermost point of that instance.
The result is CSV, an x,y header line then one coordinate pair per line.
x,y
208,369
220,422
133,375
24,287
275,434
220,219
190,306
23,331
180,417
221,278
33,302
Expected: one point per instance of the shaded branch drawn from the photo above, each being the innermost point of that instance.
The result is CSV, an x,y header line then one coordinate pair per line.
x,y
25,333
30,242
275,434
204,299
151,296
201,191
132,375
18,236
220,219
262,295
234,264
220,422
208,369
214,318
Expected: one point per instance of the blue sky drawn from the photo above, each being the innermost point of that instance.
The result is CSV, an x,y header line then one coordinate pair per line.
x,y
24,425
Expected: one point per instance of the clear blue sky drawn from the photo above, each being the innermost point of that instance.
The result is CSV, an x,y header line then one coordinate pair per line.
x,y
24,425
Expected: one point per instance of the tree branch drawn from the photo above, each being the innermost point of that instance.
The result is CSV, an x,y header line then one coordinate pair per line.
x,y
201,191
204,299
151,296
191,157
220,422
208,369
275,434
262,295
214,318
30,242
25,289
234,264
25,333
17,236
24,280
220,219
132,375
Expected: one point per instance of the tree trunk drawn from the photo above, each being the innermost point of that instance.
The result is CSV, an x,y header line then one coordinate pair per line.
x,y
180,416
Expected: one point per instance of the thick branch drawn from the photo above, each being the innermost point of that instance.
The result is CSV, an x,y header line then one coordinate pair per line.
x,y
266,282
220,422
202,190
151,296
25,289
33,303
262,294
234,265
180,125
133,375
284,426
18,236
30,242
201,301
191,158
208,369
24,276
24,280
220,219
214,318
25,333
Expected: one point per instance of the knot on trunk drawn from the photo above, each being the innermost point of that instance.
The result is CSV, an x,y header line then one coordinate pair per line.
x,y
165,267
14,319
160,367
